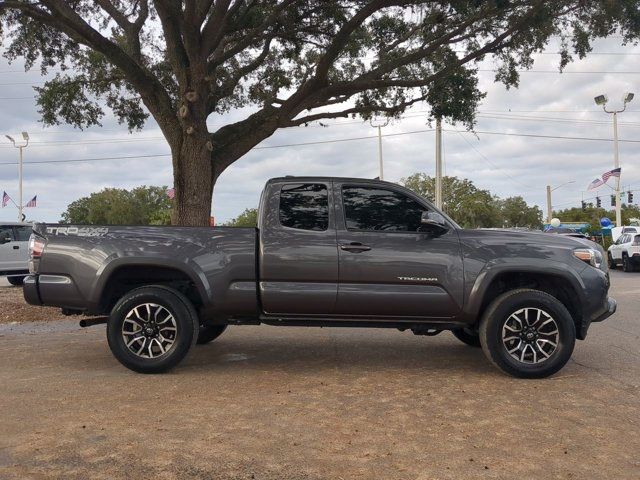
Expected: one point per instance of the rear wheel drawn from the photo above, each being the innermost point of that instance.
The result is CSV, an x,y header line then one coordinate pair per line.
x,y
527,333
16,280
151,329
209,333
468,336
626,263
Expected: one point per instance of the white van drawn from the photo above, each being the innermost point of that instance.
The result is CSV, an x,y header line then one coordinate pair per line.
x,y
14,251
616,232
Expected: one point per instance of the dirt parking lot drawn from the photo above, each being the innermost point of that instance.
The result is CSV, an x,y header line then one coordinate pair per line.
x,y
294,403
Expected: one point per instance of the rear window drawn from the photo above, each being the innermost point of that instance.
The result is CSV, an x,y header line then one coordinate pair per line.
x,y
305,206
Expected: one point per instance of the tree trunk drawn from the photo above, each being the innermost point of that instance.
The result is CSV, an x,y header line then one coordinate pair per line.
x,y
193,180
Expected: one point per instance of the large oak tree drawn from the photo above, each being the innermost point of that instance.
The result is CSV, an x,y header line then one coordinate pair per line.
x,y
286,62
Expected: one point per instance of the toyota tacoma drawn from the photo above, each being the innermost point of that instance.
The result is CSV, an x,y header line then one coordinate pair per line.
x,y
327,252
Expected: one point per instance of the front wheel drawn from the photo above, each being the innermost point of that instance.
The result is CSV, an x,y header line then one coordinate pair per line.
x,y
612,263
527,333
151,329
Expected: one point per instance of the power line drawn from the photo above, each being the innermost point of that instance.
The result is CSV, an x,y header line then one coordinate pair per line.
x,y
339,140
489,161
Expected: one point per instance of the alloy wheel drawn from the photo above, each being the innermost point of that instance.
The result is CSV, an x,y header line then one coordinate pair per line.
x,y
530,335
149,330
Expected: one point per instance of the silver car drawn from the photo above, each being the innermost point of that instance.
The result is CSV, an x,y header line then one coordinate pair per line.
x,y
14,251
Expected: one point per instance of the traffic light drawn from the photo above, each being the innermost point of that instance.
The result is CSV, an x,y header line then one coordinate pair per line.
x,y
629,196
613,200
584,205
598,202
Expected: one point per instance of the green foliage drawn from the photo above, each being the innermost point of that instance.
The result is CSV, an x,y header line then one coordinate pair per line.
x,y
115,206
473,207
516,213
250,53
248,218
592,215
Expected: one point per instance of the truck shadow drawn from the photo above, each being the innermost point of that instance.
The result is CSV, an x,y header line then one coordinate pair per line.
x,y
377,351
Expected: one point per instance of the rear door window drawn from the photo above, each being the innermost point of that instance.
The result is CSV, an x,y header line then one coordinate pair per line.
x,y
23,233
305,206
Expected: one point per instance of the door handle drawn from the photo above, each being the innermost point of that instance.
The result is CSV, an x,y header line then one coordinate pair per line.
x,y
355,247
16,247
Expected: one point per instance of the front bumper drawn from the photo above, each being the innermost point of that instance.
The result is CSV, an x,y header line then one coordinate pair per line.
x,y
609,308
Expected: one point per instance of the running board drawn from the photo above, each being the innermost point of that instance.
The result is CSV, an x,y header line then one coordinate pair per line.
x,y
418,327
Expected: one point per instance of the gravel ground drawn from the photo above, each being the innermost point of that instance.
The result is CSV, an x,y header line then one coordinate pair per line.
x,y
306,403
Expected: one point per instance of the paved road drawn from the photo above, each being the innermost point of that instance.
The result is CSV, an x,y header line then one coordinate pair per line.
x,y
286,403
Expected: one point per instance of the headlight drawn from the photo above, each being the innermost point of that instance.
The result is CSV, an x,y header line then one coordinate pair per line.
x,y
589,255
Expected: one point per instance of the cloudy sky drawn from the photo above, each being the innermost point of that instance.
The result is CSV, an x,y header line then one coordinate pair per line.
x,y
547,104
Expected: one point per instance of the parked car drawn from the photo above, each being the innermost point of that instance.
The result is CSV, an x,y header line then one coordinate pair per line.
x,y
14,251
328,252
617,232
625,251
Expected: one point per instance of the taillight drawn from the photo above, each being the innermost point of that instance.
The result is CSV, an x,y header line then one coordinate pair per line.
x,y
36,246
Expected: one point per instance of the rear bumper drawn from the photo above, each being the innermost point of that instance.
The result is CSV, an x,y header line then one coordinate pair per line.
x,y
52,290
30,290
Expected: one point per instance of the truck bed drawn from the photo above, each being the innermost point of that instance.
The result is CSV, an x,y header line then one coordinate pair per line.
x,y
81,263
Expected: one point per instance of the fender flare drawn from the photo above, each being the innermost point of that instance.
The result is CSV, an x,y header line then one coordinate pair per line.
x,y
111,265
491,272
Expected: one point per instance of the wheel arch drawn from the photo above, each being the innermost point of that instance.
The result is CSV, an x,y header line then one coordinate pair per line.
x,y
120,277
561,284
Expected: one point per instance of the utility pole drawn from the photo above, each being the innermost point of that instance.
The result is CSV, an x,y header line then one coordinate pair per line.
x,y
549,210
25,137
379,123
549,204
438,163
602,100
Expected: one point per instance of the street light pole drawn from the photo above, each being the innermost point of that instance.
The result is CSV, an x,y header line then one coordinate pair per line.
x,y
378,123
25,137
602,100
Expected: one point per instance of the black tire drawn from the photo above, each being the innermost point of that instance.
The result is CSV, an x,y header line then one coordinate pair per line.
x,y
209,333
502,310
612,263
184,322
16,281
626,263
468,336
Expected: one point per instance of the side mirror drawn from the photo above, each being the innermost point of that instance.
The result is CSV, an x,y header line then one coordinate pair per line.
x,y
434,221
4,239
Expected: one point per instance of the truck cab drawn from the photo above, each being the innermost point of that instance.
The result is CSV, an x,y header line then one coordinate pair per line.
x,y
353,248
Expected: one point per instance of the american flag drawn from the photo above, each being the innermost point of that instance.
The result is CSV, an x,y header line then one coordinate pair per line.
x,y
32,203
171,193
611,173
595,184
5,199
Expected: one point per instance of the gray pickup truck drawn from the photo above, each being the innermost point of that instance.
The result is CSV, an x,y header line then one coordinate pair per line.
x,y
329,252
